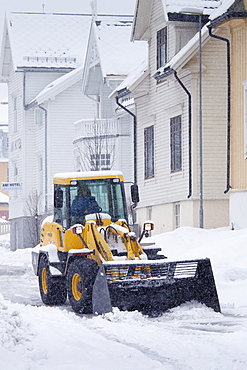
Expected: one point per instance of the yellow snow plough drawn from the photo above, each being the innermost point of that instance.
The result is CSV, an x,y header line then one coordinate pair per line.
x,y
89,253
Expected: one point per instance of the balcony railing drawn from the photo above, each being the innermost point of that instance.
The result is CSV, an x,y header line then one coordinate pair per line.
x,y
97,127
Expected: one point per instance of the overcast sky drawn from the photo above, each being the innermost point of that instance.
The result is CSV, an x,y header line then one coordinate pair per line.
x,y
62,6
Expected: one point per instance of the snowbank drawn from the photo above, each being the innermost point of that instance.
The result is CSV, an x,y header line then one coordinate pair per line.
x,y
192,336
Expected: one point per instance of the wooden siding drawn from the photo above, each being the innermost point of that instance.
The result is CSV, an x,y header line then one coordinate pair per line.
x,y
167,99
64,111
107,105
238,76
214,116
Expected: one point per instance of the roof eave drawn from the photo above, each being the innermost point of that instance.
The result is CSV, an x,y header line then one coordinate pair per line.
x,y
142,12
223,18
127,90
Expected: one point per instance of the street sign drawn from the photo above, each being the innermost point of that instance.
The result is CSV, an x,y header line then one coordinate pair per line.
x,y
6,186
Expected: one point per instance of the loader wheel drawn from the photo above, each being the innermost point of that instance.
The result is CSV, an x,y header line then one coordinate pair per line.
x,y
52,289
81,276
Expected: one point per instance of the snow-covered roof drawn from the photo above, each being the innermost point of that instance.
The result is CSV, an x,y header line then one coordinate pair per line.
x,y
4,198
225,7
226,4
179,6
118,55
133,79
47,40
57,86
143,9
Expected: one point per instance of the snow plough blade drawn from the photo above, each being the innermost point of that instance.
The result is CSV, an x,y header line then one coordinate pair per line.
x,y
152,287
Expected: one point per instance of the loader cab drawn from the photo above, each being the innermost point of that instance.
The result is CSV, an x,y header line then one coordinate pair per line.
x,y
108,193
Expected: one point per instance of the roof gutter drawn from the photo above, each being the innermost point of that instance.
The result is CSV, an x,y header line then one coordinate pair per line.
x,y
167,72
228,186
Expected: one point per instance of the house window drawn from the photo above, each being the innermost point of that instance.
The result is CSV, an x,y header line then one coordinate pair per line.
x,y
176,143
38,116
15,113
161,47
177,214
100,162
15,171
149,151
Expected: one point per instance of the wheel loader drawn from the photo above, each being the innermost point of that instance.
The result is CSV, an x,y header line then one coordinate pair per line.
x,y
92,257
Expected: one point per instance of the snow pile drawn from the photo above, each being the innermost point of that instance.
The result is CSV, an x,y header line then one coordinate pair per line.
x,y
227,250
192,336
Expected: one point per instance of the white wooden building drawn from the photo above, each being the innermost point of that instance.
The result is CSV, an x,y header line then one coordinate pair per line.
x,y
168,165
39,52
42,61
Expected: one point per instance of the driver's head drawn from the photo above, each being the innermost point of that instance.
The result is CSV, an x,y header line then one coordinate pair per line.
x,y
83,190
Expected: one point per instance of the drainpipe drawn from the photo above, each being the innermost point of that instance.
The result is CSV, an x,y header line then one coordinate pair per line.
x,y
228,186
135,142
46,149
168,71
189,127
27,107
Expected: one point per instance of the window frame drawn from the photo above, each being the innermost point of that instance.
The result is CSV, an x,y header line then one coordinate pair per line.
x,y
38,116
162,50
176,143
100,161
149,147
177,214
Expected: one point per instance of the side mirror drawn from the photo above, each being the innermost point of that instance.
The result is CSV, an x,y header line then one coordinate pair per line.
x,y
134,193
58,198
148,226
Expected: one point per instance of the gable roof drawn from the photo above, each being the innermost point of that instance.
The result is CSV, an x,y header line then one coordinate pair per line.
x,y
111,50
143,9
118,55
44,41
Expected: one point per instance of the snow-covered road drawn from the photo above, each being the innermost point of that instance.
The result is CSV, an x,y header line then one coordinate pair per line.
x,y
191,336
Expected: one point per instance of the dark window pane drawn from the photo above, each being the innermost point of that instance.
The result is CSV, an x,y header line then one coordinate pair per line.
x,y
176,143
161,47
149,151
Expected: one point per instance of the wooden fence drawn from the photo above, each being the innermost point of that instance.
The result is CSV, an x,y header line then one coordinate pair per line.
x,y
4,227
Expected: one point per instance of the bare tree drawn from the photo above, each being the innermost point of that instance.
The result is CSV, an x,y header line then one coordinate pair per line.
x,y
34,219
31,211
97,149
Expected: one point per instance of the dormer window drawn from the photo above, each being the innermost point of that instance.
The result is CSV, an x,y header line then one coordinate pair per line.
x,y
161,47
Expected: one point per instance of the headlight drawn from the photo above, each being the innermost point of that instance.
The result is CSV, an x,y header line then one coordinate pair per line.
x,y
148,226
78,229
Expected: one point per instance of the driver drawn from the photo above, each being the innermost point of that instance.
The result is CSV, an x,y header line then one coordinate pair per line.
x,y
83,204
